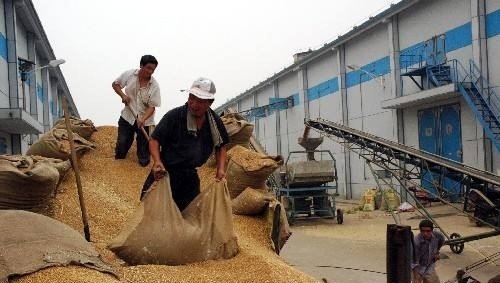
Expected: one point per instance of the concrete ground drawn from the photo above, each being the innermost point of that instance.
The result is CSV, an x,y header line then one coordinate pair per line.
x,y
355,250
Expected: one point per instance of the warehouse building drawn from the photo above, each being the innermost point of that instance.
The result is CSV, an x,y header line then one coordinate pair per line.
x,y
31,84
406,74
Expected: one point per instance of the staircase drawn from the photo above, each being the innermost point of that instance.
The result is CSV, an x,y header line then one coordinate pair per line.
x,y
481,98
476,91
439,75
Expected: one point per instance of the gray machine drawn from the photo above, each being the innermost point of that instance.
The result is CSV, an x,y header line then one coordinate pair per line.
x,y
308,188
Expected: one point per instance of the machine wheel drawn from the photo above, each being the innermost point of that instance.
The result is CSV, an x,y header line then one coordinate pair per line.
x,y
340,216
456,248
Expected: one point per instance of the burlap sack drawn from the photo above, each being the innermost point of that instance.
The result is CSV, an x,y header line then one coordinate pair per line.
x,y
159,233
251,202
238,129
368,199
248,168
55,144
284,229
84,128
392,199
30,242
28,183
62,166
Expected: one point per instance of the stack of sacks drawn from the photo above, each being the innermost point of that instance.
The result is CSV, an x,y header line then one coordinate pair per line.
x,y
55,144
29,182
84,128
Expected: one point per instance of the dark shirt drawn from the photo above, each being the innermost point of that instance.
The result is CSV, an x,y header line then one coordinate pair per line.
x,y
180,149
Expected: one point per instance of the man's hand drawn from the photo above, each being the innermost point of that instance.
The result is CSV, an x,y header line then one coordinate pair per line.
x,y
140,122
158,170
125,99
221,174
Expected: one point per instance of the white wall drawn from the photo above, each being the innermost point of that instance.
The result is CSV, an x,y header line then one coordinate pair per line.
x,y
267,125
247,103
40,83
2,17
22,52
492,6
367,47
493,44
52,101
429,18
4,82
322,69
21,40
292,119
417,24
319,71
363,99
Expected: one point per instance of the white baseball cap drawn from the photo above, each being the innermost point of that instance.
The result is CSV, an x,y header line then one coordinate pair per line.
x,y
203,88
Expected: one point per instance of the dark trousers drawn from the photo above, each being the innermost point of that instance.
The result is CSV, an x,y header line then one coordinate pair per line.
x,y
184,183
125,139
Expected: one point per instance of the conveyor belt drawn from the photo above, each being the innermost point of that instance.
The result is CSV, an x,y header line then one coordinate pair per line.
x,y
405,163
391,151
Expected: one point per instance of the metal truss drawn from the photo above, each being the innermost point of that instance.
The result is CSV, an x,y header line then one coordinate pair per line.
x,y
406,165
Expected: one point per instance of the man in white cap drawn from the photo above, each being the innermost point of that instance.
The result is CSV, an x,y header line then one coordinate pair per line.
x,y
184,139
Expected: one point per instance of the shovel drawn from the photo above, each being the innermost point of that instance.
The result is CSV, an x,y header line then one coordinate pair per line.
x,y
136,116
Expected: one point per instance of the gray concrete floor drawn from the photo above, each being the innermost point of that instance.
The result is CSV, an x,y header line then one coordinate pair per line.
x,y
355,250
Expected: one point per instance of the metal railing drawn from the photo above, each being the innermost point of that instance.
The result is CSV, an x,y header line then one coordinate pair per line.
x,y
471,79
487,92
410,62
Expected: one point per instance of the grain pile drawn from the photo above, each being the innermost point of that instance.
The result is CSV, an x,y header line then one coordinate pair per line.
x,y
112,189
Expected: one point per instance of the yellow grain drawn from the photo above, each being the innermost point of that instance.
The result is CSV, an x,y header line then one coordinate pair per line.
x,y
111,189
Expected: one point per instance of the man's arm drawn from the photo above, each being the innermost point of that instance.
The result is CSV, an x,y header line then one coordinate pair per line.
x,y
220,157
440,243
141,120
154,101
416,255
441,240
158,167
118,90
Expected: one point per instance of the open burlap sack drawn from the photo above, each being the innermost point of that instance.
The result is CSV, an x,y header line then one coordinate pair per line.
x,y
239,130
284,231
251,202
62,166
30,242
159,233
84,128
29,183
55,144
247,168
